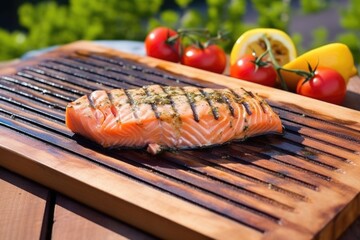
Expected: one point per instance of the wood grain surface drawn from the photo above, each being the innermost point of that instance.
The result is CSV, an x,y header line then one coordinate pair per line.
x,y
261,189
352,97
73,220
28,211
22,207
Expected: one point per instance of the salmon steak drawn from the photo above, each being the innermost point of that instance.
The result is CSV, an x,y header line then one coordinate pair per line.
x,y
167,117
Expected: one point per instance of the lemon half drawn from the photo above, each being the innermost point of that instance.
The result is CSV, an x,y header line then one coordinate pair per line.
x,y
251,41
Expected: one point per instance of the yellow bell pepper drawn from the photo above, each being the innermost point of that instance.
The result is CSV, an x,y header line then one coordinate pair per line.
x,y
334,55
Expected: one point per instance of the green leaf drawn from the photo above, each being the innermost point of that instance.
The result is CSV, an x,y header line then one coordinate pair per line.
x,y
350,15
298,41
236,9
351,39
273,14
169,18
319,35
311,6
26,13
213,13
183,3
216,3
192,19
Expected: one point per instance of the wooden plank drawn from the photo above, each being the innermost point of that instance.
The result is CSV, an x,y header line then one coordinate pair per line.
x,y
73,220
352,98
320,184
22,206
149,209
353,232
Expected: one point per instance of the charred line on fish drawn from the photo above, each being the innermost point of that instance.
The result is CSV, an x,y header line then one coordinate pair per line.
x,y
192,105
227,101
247,107
153,104
112,105
241,100
90,100
262,105
214,109
248,92
236,96
132,103
168,96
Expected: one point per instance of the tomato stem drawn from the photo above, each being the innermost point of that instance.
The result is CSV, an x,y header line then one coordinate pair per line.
x,y
198,31
171,40
276,65
193,34
221,36
306,74
259,60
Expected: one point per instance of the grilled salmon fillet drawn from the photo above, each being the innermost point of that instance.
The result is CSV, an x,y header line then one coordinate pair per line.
x,y
168,117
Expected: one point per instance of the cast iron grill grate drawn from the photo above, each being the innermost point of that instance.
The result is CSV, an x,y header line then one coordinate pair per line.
x,y
251,182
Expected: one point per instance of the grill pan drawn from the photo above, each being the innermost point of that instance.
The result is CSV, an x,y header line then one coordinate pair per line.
x,y
305,183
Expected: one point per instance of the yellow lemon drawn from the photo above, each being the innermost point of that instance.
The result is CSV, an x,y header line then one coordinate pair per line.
x,y
251,41
334,55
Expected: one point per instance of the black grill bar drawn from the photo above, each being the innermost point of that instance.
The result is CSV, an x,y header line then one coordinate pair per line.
x,y
329,127
127,64
54,75
36,108
52,84
45,91
30,96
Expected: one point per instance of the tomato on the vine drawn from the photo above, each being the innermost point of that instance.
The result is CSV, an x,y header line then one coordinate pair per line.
x,y
327,85
162,43
249,69
211,58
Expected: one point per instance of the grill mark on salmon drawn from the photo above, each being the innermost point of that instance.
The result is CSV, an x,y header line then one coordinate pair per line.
x,y
241,100
248,92
153,104
236,96
132,103
91,102
246,105
166,117
112,107
214,110
191,101
167,90
262,103
231,108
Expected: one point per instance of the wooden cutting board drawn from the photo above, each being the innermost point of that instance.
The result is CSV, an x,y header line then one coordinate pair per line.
x,y
302,185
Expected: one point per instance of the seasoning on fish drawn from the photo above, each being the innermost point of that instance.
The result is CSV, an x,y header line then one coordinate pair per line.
x,y
166,117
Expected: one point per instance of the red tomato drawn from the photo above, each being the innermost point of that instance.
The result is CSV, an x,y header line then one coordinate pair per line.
x,y
157,44
211,58
326,85
246,69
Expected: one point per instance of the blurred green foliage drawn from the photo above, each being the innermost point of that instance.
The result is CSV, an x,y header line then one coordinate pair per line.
x,y
350,21
50,23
